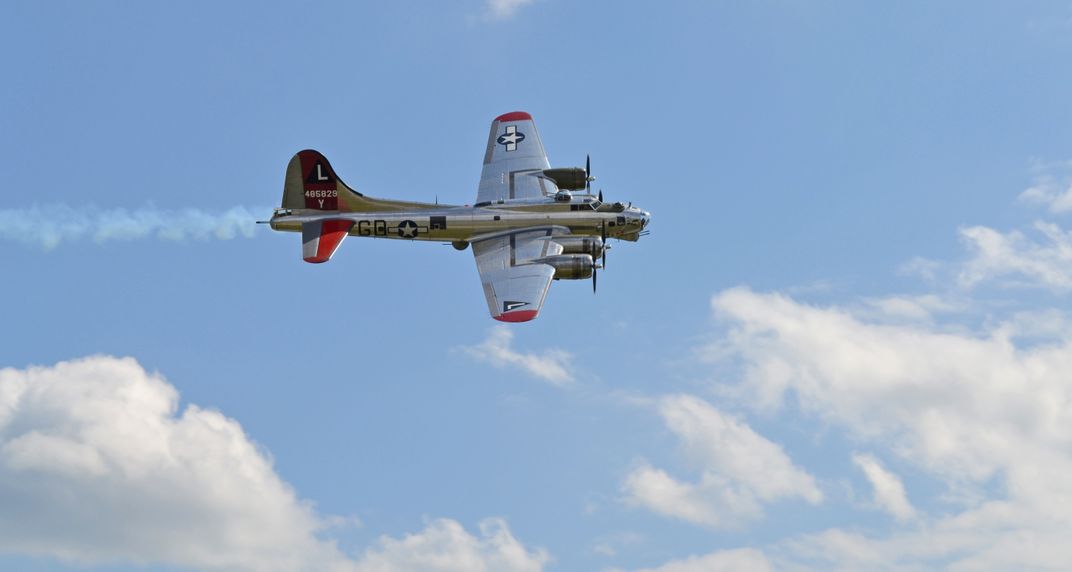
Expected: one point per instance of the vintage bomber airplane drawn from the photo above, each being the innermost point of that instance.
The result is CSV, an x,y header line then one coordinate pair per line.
x,y
526,226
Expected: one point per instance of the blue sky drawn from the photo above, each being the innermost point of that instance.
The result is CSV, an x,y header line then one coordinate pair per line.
x,y
844,345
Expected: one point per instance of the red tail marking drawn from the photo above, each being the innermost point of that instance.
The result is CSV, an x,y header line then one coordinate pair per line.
x,y
514,116
331,234
517,316
318,182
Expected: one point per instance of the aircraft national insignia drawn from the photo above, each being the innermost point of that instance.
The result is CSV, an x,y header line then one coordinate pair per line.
x,y
511,138
507,306
407,229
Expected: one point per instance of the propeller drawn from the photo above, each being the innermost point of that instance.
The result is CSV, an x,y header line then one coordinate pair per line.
x,y
595,272
606,247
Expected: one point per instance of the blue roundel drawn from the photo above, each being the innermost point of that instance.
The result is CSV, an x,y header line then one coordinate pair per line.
x,y
510,138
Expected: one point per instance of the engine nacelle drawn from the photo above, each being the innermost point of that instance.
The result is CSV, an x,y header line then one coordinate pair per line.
x,y
591,245
569,266
568,178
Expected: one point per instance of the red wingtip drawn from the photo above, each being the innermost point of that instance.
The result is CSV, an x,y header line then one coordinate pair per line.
x,y
514,116
518,316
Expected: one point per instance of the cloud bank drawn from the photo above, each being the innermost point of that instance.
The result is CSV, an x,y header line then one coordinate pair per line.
x,y
981,413
98,465
49,226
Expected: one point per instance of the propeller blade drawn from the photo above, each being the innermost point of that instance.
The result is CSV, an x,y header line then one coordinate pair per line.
x,y
594,274
601,196
603,235
588,178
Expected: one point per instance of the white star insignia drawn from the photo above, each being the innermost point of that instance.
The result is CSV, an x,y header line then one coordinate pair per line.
x,y
510,138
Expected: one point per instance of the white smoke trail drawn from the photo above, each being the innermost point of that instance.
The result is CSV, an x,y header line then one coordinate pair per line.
x,y
48,226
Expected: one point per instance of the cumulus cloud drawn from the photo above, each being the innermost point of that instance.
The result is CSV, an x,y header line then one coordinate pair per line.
x,y
741,470
968,409
49,226
505,9
888,490
445,546
98,465
960,403
1039,256
552,365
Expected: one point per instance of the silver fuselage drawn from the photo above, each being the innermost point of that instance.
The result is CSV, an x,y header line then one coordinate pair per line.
x,y
445,223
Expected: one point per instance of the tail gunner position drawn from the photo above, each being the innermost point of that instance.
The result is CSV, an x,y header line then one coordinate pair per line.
x,y
527,226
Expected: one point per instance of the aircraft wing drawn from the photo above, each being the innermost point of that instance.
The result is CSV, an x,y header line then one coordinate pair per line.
x,y
514,284
513,161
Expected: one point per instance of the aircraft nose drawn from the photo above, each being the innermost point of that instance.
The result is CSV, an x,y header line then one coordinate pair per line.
x,y
645,218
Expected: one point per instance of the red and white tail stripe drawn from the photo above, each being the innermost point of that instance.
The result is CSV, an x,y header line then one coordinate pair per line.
x,y
320,239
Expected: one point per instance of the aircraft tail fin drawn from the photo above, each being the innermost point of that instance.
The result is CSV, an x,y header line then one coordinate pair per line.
x,y
311,183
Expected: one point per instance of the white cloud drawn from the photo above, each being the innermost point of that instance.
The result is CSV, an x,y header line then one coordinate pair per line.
x,y
960,403
712,502
907,308
996,536
969,410
98,465
996,255
553,365
610,544
888,490
741,470
1040,256
505,9
49,226
737,560
997,540
444,546
731,448
924,268
1052,187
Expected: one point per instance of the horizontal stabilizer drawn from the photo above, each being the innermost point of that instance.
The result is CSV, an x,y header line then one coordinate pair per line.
x,y
320,239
